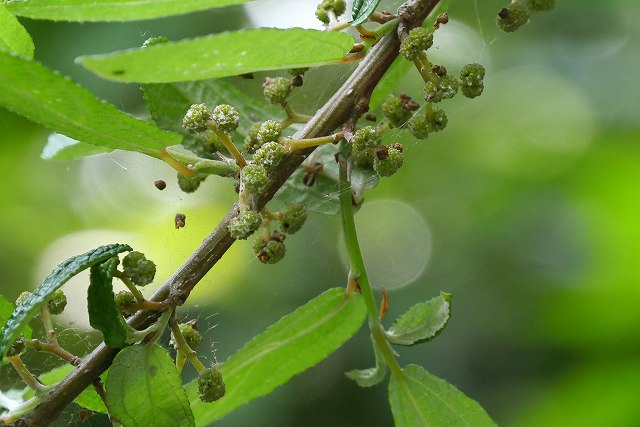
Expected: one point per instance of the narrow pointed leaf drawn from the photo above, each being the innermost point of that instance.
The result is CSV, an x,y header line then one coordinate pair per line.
x,y
222,55
295,343
422,322
6,308
13,36
110,10
362,9
371,376
144,389
104,314
30,89
54,281
419,399
60,147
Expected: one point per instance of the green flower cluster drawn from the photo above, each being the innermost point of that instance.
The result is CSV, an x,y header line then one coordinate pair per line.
x,y
293,217
138,268
272,250
245,224
211,385
190,334
276,90
517,13
254,178
337,7
418,40
388,160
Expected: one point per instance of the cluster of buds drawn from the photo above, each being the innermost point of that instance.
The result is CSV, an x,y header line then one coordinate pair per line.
x,y
517,13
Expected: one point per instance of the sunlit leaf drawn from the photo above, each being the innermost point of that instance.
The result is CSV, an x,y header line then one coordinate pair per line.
x,y
362,9
13,36
222,55
144,389
30,89
419,399
292,345
104,314
58,277
110,10
422,322
60,147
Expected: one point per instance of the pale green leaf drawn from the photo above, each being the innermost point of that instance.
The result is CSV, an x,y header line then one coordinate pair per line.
x,y
58,277
13,36
6,308
30,89
110,10
295,343
222,55
422,322
419,399
371,376
362,9
104,314
144,389
60,147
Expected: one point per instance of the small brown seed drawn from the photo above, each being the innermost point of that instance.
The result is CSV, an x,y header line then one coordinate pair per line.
x,y
160,184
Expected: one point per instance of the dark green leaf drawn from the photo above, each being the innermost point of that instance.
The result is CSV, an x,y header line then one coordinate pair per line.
x,y
322,196
110,10
222,55
60,147
13,36
104,314
361,10
371,376
6,308
292,345
30,89
419,399
422,322
144,389
58,277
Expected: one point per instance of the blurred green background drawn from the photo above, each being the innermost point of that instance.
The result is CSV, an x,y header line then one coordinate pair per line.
x,y
526,209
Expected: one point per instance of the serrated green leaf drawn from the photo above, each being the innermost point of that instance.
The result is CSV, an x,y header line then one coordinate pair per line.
x,y
110,10
30,89
13,36
60,147
322,196
144,389
419,399
58,277
222,55
422,322
6,308
88,399
104,314
371,376
362,9
292,345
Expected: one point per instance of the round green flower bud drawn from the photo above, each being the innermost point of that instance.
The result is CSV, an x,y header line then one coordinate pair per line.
x,y
322,14
190,335
472,80
271,251
23,296
366,139
394,111
445,87
269,155
125,301
225,118
211,385
293,217
390,163
189,184
154,41
418,40
338,7
18,346
276,90
438,120
540,5
251,143
269,131
196,119
254,178
512,17
245,224
419,126
138,268
57,302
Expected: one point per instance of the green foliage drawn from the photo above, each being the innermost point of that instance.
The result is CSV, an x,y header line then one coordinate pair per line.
x,y
110,10
6,309
13,36
30,89
58,277
104,311
144,389
222,55
362,9
60,147
422,322
418,398
371,376
292,345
